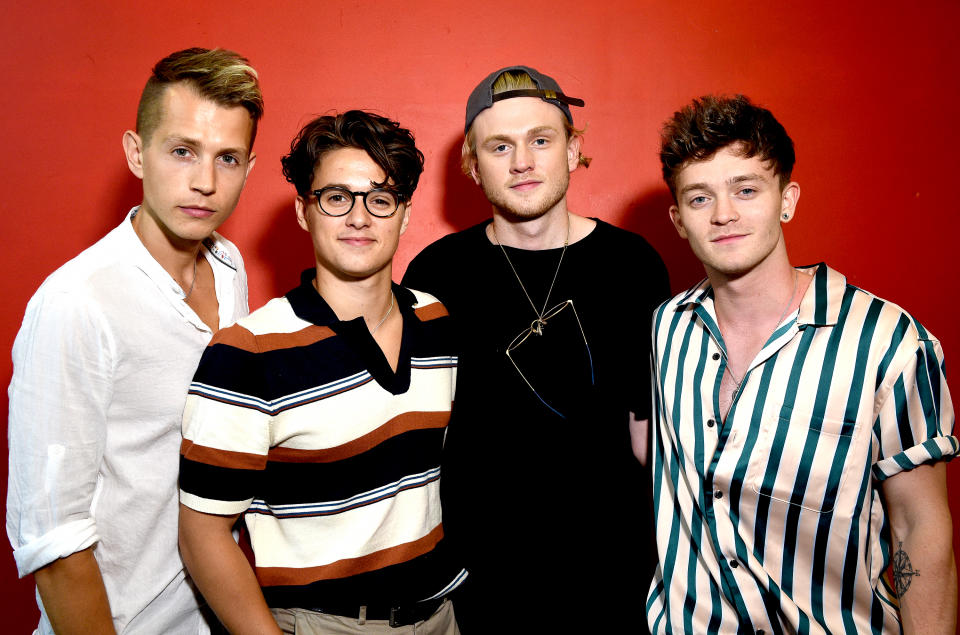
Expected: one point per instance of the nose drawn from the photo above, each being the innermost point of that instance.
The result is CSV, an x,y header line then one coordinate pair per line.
x,y
204,177
358,216
521,160
724,212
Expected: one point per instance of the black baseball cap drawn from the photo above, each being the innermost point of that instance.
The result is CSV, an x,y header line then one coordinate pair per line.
x,y
547,89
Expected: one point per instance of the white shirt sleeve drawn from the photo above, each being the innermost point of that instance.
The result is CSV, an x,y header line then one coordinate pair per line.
x,y
63,358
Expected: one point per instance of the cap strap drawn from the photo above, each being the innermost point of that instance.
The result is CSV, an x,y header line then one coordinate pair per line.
x,y
542,94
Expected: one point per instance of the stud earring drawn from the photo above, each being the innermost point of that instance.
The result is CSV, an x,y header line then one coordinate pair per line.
x,y
786,217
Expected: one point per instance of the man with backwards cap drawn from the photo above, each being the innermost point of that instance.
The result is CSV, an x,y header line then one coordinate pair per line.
x,y
541,490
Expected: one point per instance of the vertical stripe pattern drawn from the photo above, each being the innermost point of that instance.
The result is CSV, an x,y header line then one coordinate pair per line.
x,y
772,519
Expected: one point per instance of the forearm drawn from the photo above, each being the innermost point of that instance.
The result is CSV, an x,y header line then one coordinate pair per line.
x,y
73,595
221,572
923,567
925,576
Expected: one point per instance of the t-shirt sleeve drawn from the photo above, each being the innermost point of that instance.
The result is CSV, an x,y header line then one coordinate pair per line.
x,y
915,422
226,427
63,360
426,272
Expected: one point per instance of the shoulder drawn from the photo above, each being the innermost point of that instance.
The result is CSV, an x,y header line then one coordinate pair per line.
x,y
609,236
426,306
453,244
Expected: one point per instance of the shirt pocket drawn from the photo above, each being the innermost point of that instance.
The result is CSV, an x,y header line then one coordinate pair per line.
x,y
801,459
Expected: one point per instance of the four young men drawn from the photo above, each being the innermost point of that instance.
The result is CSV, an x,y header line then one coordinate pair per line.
x,y
799,422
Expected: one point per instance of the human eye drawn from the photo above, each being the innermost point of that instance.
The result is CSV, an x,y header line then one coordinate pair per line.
x,y
747,191
230,159
181,152
541,141
381,201
697,201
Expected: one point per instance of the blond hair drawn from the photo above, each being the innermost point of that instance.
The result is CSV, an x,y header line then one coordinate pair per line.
x,y
224,77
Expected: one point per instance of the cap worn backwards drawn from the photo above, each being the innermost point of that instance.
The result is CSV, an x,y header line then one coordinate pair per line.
x,y
547,89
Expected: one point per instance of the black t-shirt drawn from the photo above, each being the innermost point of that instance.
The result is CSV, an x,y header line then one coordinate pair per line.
x,y
541,491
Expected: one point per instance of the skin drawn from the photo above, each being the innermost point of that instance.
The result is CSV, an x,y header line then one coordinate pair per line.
x,y
192,168
730,208
920,519
354,259
354,253
523,163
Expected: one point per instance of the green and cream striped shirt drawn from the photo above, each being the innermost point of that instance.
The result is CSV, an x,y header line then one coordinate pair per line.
x,y
772,521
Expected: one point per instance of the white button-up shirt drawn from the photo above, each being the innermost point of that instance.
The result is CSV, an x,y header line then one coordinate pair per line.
x,y
102,363
772,520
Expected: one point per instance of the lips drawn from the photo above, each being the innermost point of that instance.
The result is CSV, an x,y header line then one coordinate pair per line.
x,y
197,211
727,238
524,186
356,241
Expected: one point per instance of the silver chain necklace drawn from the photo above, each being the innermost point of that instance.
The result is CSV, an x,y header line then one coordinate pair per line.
x,y
737,382
537,325
193,282
385,316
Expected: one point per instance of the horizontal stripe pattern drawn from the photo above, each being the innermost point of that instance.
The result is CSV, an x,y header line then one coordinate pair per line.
x,y
772,520
333,458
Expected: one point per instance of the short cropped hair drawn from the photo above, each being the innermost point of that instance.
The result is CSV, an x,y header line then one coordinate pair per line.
x,y
388,145
222,76
711,123
511,80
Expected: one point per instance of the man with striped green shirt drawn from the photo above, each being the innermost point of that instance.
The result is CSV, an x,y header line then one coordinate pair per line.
x,y
802,424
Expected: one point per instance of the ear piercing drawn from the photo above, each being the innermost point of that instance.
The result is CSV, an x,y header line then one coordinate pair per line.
x,y
786,217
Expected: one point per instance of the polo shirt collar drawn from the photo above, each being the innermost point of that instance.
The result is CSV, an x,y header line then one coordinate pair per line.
x,y
309,305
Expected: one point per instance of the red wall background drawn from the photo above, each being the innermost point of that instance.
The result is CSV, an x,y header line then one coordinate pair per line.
x,y
868,93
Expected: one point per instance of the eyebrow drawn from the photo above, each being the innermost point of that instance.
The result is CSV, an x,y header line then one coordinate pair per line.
x,y
733,180
539,130
189,141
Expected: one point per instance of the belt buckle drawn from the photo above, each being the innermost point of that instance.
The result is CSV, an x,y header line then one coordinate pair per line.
x,y
395,617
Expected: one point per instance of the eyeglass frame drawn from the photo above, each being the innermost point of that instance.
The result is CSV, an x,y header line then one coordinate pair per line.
x,y
401,199
536,328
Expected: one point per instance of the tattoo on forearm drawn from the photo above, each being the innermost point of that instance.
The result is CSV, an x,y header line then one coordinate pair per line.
x,y
903,570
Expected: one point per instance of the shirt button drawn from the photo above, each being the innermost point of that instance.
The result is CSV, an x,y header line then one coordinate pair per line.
x,y
716,356
734,564
760,632
710,423
718,494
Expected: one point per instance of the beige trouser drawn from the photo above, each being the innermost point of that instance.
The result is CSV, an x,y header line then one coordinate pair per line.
x,y
304,622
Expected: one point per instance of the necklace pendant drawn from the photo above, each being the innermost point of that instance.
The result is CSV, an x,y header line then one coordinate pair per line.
x,y
536,327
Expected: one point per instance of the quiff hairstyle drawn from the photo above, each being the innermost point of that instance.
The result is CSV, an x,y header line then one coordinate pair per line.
x,y
712,123
507,81
387,144
222,76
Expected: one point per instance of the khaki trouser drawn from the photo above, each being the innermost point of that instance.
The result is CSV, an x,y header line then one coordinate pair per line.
x,y
304,622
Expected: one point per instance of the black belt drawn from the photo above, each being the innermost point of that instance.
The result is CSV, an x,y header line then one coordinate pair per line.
x,y
397,615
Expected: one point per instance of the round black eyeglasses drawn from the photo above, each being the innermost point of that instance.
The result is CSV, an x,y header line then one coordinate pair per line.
x,y
338,201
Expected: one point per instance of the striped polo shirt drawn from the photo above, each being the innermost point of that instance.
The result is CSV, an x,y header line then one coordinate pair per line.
x,y
772,521
296,420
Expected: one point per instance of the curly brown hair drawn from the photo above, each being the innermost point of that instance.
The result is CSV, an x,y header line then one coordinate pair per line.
x,y
389,146
711,123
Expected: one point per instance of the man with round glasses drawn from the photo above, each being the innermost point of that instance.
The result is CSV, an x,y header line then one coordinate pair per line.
x,y
542,493
322,416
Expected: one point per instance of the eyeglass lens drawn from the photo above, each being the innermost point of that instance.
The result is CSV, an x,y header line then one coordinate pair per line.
x,y
337,201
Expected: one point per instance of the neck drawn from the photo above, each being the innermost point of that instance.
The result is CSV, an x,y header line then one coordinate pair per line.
x,y
757,297
548,231
175,255
350,298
